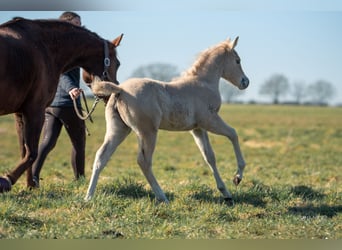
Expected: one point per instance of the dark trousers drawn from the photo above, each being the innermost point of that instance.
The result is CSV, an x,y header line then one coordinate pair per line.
x,y
55,119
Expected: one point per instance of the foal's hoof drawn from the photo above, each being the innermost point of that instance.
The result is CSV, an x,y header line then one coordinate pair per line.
x,y
229,202
87,198
5,184
236,180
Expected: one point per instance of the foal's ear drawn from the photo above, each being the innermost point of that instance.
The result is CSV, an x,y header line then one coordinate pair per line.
x,y
234,43
117,40
96,79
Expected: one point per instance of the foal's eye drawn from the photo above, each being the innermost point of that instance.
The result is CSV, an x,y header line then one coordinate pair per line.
x,y
238,61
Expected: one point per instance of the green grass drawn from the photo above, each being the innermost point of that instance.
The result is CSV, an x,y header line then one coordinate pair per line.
x,y
291,188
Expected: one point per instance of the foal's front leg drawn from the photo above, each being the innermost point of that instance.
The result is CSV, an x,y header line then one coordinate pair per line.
x,y
202,141
218,126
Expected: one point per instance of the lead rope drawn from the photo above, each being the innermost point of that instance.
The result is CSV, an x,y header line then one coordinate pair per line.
x,y
88,115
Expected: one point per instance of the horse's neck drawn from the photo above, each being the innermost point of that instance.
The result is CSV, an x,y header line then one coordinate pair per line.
x,y
71,48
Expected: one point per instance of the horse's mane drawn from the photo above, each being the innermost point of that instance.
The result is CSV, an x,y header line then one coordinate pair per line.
x,y
20,22
62,23
206,55
19,27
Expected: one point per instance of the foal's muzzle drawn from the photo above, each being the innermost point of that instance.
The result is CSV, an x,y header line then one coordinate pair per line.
x,y
244,83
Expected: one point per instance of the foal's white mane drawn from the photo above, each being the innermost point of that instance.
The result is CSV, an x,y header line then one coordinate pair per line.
x,y
207,56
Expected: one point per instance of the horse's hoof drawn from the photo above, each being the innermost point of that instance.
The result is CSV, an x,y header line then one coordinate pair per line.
x,y
35,183
5,184
159,202
229,202
236,180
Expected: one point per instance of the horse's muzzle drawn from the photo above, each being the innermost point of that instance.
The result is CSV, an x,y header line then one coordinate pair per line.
x,y
244,83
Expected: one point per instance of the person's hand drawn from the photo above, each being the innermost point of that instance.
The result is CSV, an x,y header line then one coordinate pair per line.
x,y
75,92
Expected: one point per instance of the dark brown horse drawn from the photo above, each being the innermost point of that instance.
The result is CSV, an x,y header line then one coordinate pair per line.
x,y
33,53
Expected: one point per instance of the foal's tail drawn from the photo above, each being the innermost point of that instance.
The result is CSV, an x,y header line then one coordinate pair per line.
x,y
104,88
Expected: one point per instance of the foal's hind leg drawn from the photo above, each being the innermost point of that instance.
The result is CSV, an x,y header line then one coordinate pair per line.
x,y
202,141
116,132
147,142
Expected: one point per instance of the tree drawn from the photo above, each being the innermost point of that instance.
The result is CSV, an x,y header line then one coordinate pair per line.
x,y
320,91
228,92
298,91
277,85
158,71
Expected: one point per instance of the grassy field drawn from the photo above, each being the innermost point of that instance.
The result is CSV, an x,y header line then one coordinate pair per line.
x,y
291,188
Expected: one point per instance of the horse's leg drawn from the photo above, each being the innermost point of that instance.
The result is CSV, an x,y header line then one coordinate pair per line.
x,y
218,126
202,141
19,125
33,124
20,132
5,182
147,142
116,132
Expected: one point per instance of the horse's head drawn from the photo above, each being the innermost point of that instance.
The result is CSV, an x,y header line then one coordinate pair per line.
x,y
107,70
232,70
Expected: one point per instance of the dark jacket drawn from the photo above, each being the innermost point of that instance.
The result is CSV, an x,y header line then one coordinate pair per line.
x,y
67,81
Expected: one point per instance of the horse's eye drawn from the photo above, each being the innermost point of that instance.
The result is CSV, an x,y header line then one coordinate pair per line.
x,y
238,61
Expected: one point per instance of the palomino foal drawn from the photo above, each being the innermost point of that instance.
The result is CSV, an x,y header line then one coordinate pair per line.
x,y
190,102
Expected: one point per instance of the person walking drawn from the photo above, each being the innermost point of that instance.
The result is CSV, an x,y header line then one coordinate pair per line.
x,y
61,113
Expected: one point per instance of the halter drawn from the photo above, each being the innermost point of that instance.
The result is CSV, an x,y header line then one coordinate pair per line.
x,y
105,76
106,63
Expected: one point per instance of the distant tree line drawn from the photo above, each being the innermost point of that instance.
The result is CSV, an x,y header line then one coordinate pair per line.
x,y
275,87
318,92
